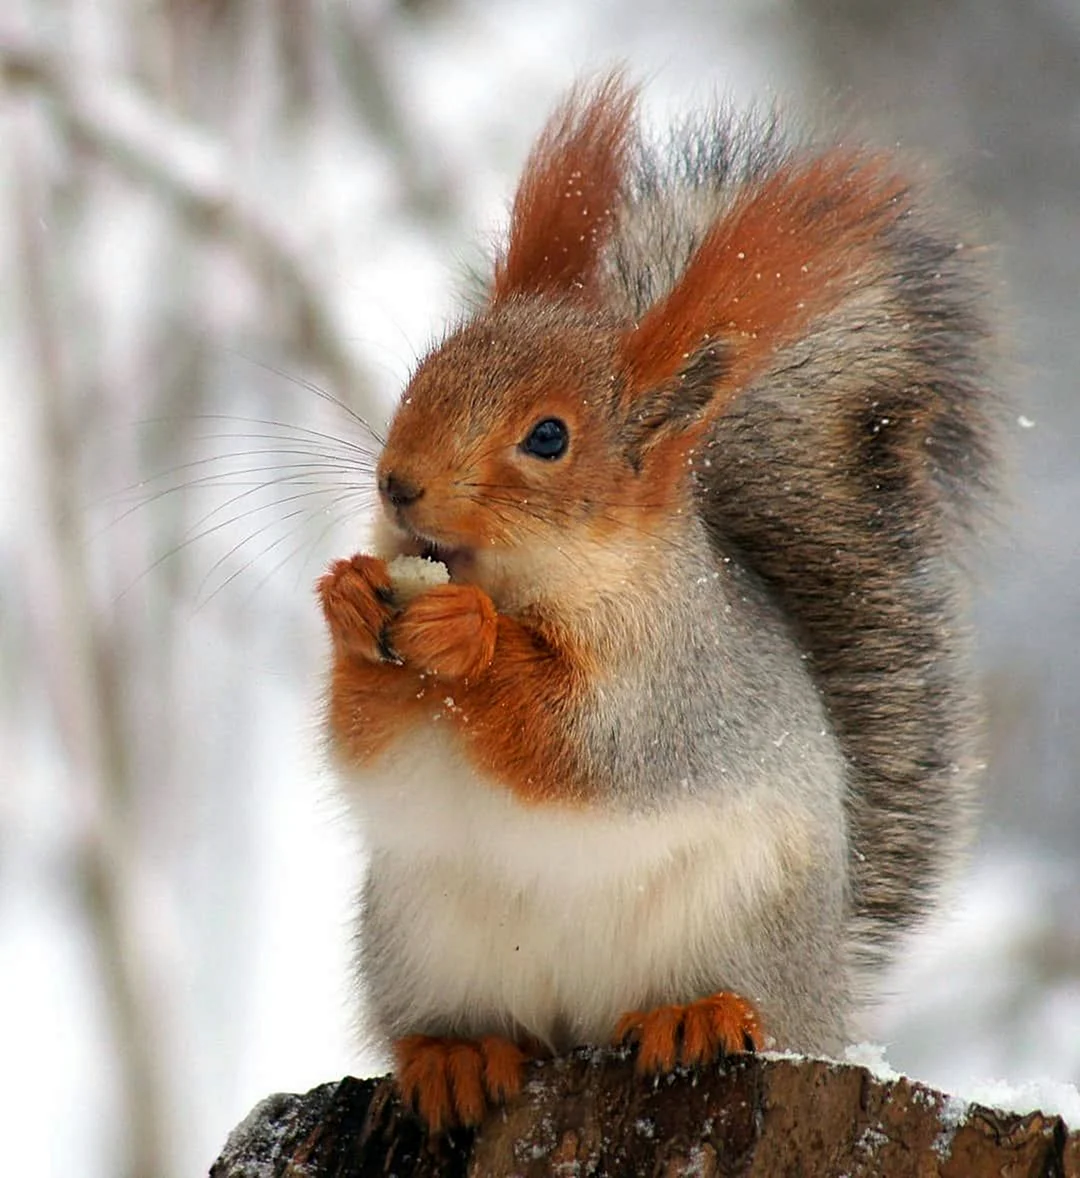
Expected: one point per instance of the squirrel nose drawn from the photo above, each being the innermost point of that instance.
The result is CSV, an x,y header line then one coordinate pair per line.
x,y
399,491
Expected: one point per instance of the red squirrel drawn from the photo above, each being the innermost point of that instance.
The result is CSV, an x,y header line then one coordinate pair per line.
x,y
684,744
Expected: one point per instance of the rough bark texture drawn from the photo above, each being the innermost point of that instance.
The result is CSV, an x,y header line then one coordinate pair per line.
x,y
588,1114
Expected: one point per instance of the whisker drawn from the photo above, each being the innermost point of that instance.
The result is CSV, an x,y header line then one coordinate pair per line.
x,y
605,511
550,497
249,564
335,518
325,461
516,520
288,557
301,471
311,387
301,511
320,488
306,514
271,423
191,539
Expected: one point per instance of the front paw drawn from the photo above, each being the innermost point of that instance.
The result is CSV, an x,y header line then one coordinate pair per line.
x,y
357,599
448,631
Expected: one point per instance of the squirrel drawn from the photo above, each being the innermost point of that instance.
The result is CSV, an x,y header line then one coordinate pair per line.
x,y
686,741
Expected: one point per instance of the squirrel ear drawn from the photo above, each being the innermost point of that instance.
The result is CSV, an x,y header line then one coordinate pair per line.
x,y
782,254
678,409
568,196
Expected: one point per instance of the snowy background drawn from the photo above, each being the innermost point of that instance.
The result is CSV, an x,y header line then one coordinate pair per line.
x,y
206,207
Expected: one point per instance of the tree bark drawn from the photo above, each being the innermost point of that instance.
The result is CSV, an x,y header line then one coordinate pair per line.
x,y
588,1114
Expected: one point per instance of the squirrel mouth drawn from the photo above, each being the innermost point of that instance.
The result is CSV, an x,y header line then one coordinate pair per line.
x,y
458,561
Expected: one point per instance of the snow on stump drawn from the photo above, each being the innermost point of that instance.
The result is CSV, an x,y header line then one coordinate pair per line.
x,y
588,1114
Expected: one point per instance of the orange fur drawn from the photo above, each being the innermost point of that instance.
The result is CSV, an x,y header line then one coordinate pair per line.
x,y
471,474
355,596
787,250
693,1034
371,704
785,253
511,684
453,1081
511,720
448,631
568,197
370,700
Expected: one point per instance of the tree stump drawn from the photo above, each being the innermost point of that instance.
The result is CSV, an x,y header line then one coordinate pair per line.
x,y
588,1114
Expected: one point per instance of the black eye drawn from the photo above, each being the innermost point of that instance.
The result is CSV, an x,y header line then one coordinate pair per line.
x,y
547,439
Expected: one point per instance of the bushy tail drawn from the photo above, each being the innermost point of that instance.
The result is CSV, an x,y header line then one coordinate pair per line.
x,y
849,460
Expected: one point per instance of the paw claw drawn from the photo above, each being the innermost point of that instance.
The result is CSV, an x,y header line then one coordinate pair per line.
x,y
386,650
693,1034
450,1082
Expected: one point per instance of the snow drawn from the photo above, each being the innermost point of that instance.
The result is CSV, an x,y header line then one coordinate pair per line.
x,y
1052,1097
957,1006
872,1057
1047,1096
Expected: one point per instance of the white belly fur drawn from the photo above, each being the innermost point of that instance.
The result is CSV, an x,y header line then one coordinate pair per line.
x,y
557,920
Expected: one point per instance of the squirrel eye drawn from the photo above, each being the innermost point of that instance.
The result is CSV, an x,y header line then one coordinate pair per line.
x,y
547,439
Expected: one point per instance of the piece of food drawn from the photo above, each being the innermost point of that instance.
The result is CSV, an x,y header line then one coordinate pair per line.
x,y
411,575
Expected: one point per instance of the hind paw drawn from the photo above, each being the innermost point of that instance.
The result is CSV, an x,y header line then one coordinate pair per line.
x,y
693,1034
451,1082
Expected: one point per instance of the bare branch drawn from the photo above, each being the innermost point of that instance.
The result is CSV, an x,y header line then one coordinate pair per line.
x,y
82,675
110,118
359,42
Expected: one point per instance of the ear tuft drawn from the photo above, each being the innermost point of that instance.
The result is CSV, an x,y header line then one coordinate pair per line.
x,y
568,197
788,250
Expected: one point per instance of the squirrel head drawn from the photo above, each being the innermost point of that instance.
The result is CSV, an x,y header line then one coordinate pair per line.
x,y
518,437
551,425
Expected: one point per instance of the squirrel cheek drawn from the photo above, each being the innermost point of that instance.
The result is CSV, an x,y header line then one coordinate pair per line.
x,y
448,631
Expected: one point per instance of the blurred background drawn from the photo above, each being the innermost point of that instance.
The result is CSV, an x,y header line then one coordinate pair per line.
x,y
227,229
